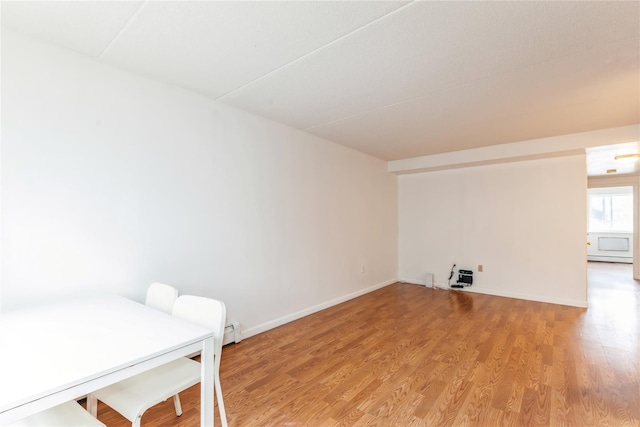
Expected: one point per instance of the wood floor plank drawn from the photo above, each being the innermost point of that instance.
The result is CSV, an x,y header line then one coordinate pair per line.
x,y
406,355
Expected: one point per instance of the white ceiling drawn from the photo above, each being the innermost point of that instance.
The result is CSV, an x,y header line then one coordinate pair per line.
x,y
393,79
601,160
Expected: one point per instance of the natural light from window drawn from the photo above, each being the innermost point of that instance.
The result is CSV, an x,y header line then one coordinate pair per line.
x,y
610,213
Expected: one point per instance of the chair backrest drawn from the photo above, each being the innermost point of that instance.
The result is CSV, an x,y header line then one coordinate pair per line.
x,y
161,297
206,312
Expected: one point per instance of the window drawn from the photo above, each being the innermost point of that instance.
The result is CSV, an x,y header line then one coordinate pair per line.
x,y
611,212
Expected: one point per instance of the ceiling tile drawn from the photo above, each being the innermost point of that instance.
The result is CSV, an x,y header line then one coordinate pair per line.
x,y
592,90
216,47
428,47
84,26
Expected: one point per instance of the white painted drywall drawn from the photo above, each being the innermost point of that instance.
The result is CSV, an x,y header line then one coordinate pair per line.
x,y
524,222
111,181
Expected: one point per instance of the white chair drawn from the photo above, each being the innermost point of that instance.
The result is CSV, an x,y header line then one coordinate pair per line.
x,y
161,297
133,396
69,414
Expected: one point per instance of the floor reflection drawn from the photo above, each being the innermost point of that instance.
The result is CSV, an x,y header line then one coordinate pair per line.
x,y
614,306
461,300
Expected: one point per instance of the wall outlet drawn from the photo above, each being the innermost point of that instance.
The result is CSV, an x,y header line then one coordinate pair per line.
x,y
480,268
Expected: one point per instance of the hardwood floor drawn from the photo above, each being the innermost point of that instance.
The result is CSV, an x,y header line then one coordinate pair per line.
x,y
409,356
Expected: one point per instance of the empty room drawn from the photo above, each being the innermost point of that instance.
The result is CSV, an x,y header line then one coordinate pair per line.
x,y
319,213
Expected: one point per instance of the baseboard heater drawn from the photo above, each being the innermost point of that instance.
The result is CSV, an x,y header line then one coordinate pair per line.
x,y
613,244
231,336
232,333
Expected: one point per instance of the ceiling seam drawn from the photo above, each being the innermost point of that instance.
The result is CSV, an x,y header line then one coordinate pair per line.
x,y
393,12
123,29
460,85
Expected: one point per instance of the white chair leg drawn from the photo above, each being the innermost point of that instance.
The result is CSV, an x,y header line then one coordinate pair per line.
x,y
176,403
223,413
92,405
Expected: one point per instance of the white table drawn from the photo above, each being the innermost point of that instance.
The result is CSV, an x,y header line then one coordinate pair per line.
x,y
55,353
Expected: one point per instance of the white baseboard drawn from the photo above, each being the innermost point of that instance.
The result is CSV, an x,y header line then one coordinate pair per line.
x,y
422,282
624,260
528,297
412,281
499,293
314,309
299,314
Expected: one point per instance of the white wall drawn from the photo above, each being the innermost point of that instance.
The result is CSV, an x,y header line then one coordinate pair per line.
x,y
524,222
111,181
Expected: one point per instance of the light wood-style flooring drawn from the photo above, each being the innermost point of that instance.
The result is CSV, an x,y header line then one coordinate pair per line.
x,y
406,355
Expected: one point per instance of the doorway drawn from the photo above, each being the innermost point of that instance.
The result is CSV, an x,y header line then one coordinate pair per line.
x,y
609,167
613,185
610,224
610,236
